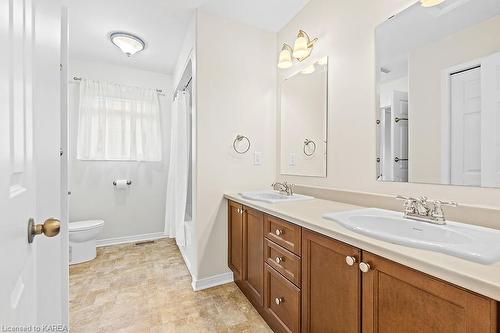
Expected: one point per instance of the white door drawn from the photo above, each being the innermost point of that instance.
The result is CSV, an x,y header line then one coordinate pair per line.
x,y
399,136
490,126
466,128
29,102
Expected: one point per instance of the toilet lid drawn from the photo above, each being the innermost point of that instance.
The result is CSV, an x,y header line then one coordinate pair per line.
x,y
85,225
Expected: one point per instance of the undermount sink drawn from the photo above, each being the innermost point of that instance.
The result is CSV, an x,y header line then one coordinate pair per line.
x,y
473,243
270,196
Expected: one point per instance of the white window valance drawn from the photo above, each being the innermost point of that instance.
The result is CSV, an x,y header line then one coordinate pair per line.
x,y
118,122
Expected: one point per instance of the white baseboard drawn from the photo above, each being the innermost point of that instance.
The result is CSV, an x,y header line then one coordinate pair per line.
x,y
212,281
130,239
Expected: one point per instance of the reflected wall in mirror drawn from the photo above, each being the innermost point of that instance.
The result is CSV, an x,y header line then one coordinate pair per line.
x,y
304,113
438,88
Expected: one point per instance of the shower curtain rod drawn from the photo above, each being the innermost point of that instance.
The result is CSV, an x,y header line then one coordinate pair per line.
x,y
76,78
183,89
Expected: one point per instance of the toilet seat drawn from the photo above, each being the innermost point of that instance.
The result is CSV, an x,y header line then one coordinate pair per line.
x,y
85,225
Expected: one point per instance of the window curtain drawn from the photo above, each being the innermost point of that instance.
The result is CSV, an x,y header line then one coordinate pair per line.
x,y
118,122
178,172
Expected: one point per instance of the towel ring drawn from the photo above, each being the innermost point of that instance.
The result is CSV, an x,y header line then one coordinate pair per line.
x,y
307,142
238,139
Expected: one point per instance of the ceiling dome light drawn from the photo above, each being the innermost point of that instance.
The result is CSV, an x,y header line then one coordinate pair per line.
x,y
430,3
285,58
127,43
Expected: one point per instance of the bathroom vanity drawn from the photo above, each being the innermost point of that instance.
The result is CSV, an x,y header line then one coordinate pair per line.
x,y
306,274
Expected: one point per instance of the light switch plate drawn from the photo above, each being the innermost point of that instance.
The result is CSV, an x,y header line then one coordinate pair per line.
x,y
257,158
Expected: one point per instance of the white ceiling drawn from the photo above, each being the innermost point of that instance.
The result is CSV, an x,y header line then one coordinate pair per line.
x,y
162,24
269,15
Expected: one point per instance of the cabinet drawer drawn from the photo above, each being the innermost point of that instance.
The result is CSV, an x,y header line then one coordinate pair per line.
x,y
283,233
284,261
282,302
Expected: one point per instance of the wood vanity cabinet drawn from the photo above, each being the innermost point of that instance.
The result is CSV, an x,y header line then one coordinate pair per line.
x,y
235,239
302,281
400,299
331,288
246,255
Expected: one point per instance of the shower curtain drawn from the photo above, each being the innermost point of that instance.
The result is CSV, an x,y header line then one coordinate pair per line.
x,y
178,171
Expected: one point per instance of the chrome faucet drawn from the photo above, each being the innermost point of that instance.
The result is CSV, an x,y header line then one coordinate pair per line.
x,y
423,209
283,188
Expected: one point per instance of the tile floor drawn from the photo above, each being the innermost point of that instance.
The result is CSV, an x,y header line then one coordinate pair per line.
x,y
147,288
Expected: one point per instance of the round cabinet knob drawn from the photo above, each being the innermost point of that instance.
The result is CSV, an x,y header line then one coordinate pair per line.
x,y
279,260
350,260
279,232
279,300
49,228
364,267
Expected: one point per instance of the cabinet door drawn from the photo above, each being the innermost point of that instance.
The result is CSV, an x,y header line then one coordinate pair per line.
x,y
331,288
235,239
253,255
399,299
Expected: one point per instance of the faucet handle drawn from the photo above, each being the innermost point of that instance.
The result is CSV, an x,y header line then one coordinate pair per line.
x,y
445,203
402,197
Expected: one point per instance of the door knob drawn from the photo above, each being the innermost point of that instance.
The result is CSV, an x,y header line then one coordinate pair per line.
x,y
279,300
49,228
279,232
279,260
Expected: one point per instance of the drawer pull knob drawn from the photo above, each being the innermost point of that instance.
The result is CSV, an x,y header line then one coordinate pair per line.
x,y
364,267
279,232
280,259
350,260
279,300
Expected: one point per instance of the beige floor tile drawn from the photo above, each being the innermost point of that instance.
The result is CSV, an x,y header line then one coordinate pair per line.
x,y
147,288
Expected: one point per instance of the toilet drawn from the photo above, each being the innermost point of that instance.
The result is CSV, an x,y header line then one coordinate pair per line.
x,y
82,240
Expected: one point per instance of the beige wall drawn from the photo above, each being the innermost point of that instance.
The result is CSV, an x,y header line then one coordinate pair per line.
x,y
425,66
346,34
236,84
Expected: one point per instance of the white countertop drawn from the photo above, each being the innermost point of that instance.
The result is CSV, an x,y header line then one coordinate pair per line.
x,y
482,279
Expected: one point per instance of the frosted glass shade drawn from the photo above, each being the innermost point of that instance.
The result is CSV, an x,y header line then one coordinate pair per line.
x,y
285,59
128,44
430,3
300,49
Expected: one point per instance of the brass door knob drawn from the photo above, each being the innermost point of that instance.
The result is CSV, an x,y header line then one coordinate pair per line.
x,y
49,228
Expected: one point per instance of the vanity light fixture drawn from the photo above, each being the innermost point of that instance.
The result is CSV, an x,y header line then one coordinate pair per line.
x,y
430,3
127,43
303,46
285,58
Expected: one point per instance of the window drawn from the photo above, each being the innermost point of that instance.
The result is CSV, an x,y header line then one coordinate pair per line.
x,y
118,123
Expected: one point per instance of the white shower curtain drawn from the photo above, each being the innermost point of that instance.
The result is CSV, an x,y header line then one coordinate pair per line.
x,y
178,171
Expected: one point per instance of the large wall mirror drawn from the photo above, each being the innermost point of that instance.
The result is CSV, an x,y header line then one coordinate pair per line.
x,y
438,88
304,113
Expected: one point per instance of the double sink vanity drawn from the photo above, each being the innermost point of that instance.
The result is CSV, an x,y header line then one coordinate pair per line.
x,y
312,265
